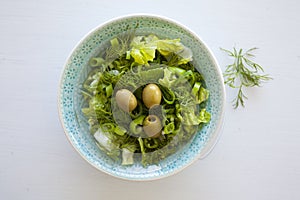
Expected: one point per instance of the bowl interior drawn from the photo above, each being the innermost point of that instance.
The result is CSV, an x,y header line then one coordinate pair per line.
x,y
76,70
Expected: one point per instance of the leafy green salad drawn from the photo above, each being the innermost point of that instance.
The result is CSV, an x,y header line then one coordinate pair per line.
x,y
143,98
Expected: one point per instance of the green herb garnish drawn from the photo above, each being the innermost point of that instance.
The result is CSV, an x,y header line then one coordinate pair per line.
x,y
243,73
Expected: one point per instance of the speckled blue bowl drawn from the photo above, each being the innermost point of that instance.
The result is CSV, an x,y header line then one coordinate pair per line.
x,y
75,71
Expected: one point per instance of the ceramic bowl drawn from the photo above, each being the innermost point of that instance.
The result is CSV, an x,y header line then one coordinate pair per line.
x,y
75,71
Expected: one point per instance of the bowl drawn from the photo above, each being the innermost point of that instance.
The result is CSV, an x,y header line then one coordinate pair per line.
x,y
75,71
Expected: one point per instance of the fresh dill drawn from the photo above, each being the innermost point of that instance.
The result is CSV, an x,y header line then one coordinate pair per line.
x,y
243,72
121,44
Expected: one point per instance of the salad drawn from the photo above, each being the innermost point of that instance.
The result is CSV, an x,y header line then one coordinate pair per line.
x,y
144,99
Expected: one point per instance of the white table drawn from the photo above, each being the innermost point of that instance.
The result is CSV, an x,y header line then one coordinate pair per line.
x,y
257,156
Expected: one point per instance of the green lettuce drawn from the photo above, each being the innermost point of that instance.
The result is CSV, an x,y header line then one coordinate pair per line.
x,y
166,47
143,49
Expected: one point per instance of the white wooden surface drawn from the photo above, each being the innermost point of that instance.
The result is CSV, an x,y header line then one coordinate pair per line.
x,y
257,157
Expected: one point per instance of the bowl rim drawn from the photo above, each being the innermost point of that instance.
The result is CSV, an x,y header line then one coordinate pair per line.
x,y
210,144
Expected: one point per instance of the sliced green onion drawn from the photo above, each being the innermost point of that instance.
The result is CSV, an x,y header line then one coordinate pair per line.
x,y
128,55
136,129
169,128
189,75
137,111
108,127
141,143
177,107
168,96
196,89
148,142
169,110
109,90
120,130
178,112
178,115
111,66
114,42
136,125
177,71
96,62
171,117
116,62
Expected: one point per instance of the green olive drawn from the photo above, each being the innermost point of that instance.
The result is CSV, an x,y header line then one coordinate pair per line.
x,y
152,126
151,95
126,100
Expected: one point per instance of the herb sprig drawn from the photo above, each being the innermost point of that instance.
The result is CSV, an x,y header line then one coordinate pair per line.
x,y
243,72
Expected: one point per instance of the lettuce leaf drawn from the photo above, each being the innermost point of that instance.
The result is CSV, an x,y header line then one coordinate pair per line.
x,y
185,56
142,50
204,116
203,95
168,80
190,118
105,143
166,47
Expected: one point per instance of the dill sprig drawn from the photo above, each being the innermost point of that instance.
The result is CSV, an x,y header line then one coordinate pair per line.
x,y
243,72
123,43
115,51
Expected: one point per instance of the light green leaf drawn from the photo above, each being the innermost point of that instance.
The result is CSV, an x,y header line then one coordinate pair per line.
x,y
166,47
127,157
168,79
142,51
203,95
204,116
185,56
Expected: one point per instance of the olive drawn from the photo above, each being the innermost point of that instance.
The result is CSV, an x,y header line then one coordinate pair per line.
x,y
151,95
126,100
152,126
